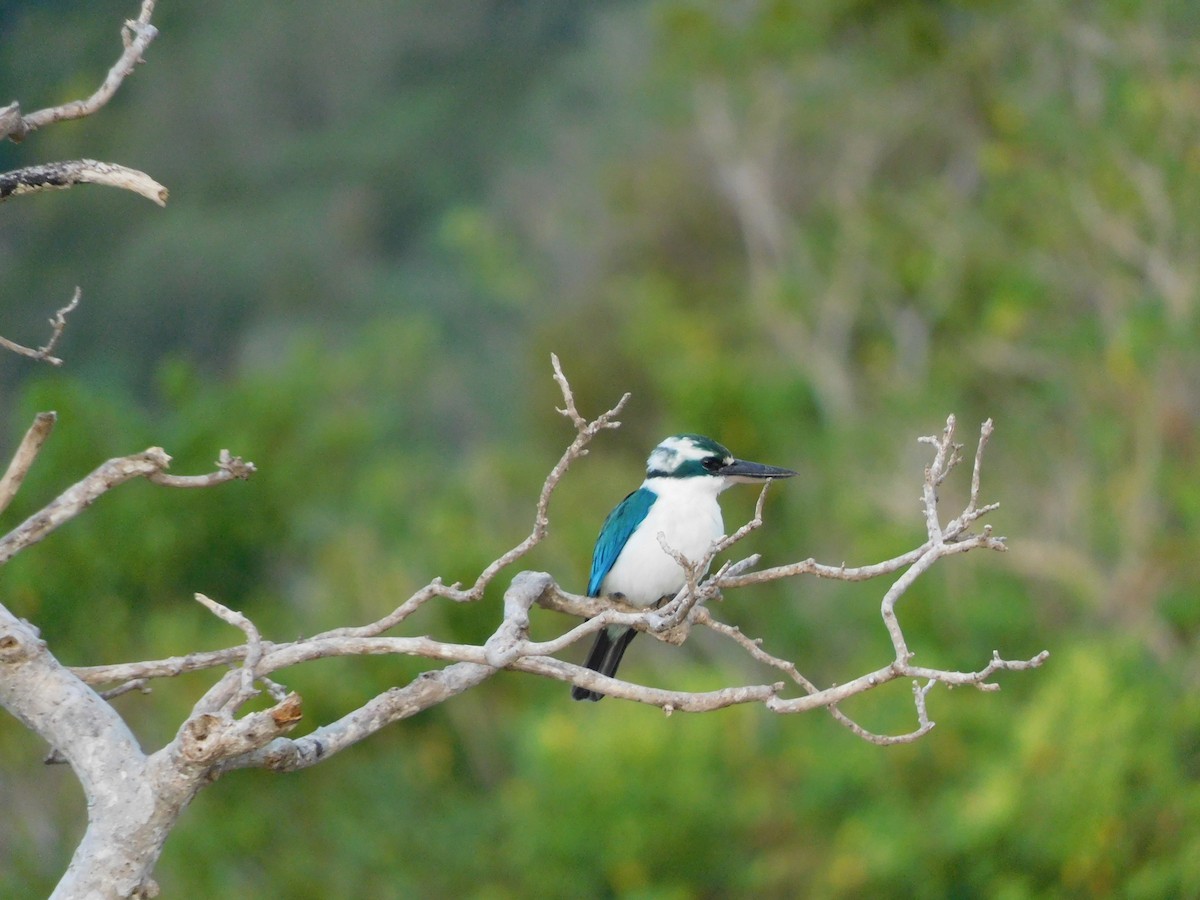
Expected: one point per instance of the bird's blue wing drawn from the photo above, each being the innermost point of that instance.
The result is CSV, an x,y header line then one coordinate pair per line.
x,y
615,531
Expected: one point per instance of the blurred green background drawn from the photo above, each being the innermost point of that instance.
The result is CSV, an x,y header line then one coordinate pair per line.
x,y
810,229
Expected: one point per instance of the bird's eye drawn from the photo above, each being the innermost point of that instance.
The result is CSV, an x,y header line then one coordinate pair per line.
x,y
713,463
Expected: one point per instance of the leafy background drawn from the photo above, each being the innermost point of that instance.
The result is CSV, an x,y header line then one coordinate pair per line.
x,y
810,229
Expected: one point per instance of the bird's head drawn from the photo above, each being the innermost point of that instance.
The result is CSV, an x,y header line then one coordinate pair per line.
x,y
696,456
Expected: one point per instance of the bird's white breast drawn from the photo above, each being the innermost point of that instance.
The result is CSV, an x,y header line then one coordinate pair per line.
x,y
687,514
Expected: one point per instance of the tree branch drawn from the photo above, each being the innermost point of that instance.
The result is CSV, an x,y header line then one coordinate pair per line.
x,y
149,464
62,175
216,737
22,461
105,756
510,647
585,431
57,324
136,36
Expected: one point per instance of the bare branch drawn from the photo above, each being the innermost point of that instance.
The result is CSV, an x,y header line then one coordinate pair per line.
x,y
148,464
985,434
254,650
80,496
134,799
821,570
426,690
974,511
568,409
57,324
213,740
753,646
22,461
61,175
510,647
135,684
136,36
171,667
585,431
229,468
104,754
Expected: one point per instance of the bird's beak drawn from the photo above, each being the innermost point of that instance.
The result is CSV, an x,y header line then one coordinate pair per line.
x,y
751,472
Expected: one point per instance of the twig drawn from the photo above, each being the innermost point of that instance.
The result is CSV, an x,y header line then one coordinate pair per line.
x,y
58,323
149,464
61,175
136,35
822,570
22,461
669,622
229,468
171,667
78,497
585,431
946,456
134,684
754,648
254,649
974,511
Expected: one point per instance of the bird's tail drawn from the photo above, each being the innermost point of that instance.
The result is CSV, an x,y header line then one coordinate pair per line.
x,y
605,657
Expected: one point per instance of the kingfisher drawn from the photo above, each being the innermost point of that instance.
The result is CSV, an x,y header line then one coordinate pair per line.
x,y
678,500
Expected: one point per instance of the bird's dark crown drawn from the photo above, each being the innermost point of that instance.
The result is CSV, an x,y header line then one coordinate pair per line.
x,y
687,456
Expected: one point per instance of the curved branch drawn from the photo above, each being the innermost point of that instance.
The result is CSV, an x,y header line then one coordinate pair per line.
x,y
584,432
62,175
149,464
136,36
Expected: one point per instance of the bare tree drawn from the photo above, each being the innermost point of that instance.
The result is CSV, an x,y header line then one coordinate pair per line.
x,y
135,798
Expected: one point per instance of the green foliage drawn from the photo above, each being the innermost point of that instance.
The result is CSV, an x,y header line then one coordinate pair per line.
x,y
974,207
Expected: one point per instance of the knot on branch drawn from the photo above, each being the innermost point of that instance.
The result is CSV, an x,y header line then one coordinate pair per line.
x,y
199,736
19,641
209,738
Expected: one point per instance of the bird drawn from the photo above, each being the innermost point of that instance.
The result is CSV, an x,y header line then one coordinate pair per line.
x,y
678,500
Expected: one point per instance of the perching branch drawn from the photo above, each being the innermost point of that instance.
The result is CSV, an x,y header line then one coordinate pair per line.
x,y
510,646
